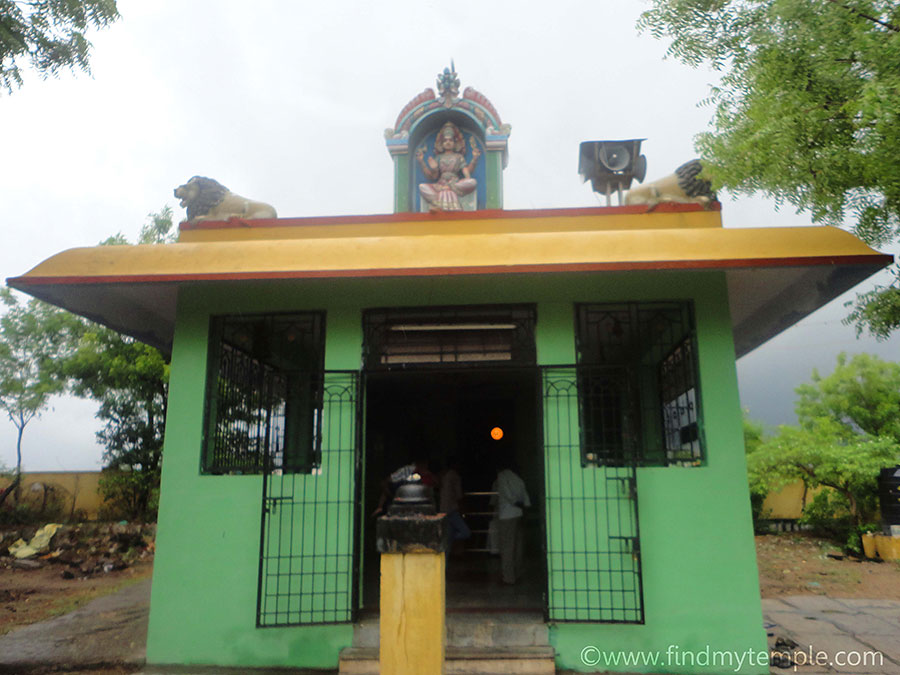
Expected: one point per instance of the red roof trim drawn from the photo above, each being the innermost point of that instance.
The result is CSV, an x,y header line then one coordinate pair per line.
x,y
879,260
437,216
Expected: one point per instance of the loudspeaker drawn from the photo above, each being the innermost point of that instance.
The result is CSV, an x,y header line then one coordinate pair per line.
x,y
612,165
614,156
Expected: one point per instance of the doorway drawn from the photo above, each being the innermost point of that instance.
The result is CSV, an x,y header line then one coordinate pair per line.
x,y
445,414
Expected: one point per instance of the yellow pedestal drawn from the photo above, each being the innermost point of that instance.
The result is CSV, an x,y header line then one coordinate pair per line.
x,y
412,613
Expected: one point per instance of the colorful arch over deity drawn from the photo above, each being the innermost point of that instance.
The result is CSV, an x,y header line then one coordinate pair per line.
x,y
422,178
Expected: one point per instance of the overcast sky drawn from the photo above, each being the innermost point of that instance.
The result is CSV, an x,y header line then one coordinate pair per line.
x,y
287,103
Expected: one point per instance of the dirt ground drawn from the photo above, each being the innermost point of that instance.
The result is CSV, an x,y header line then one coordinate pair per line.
x,y
30,595
794,563
122,670
83,562
789,564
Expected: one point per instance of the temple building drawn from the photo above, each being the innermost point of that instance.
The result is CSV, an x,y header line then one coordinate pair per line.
x,y
312,356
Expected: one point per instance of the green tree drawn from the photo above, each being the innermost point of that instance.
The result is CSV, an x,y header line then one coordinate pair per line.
x,y
805,112
823,453
862,395
157,230
130,382
759,488
48,35
754,433
31,335
849,430
45,350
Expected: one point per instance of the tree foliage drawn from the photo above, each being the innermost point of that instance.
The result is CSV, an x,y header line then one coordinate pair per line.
x,y
862,395
157,230
48,35
754,433
45,350
823,454
32,334
754,436
847,434
805,112
130,382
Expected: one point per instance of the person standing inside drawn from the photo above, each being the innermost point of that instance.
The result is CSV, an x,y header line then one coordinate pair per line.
x,y
512,498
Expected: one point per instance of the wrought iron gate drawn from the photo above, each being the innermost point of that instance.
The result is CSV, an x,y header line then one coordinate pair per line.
x,y
307,561
593,541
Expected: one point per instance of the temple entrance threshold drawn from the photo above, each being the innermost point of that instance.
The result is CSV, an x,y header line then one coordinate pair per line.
x,y
447,415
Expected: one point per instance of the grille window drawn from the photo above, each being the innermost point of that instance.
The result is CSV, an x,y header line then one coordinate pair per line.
x,y
637,383
678,388
263,394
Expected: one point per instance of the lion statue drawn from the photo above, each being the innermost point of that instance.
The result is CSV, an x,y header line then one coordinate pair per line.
x,y
684,186
207,199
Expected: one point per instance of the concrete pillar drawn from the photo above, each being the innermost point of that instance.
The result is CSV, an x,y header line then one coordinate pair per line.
x,y
413,542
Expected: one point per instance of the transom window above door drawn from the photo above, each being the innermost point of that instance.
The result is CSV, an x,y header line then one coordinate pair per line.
x,y
486,335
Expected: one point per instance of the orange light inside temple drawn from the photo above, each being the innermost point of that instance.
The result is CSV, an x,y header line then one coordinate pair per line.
x,y
496,433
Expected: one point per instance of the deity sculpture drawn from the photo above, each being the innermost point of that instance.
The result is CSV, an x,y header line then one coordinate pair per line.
x,y
444,169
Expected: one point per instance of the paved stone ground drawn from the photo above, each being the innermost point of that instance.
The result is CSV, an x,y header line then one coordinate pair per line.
x,y
825,635
108,631
816,634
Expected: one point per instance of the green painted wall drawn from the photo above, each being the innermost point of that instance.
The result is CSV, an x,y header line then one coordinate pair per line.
x,y
699,565
494,173
401,183
204,591
700,580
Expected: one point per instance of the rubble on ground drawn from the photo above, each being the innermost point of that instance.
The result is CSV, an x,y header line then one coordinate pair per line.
x,y
39,543
81,550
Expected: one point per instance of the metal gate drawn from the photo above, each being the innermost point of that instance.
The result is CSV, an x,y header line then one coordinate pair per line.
x,y
593,541
307,561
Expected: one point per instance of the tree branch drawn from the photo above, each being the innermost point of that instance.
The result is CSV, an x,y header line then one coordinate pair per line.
x,y
9,489
863,15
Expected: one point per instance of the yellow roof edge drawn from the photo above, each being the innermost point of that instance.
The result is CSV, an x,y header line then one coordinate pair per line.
x,y
448,253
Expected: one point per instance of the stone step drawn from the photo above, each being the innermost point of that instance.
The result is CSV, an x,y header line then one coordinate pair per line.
x,y
474,630
533,660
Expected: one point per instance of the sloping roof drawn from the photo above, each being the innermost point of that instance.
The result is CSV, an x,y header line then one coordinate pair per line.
x,y
776,276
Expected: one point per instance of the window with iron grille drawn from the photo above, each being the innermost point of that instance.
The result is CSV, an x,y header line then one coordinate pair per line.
x,y
263,393
435,337
637,383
